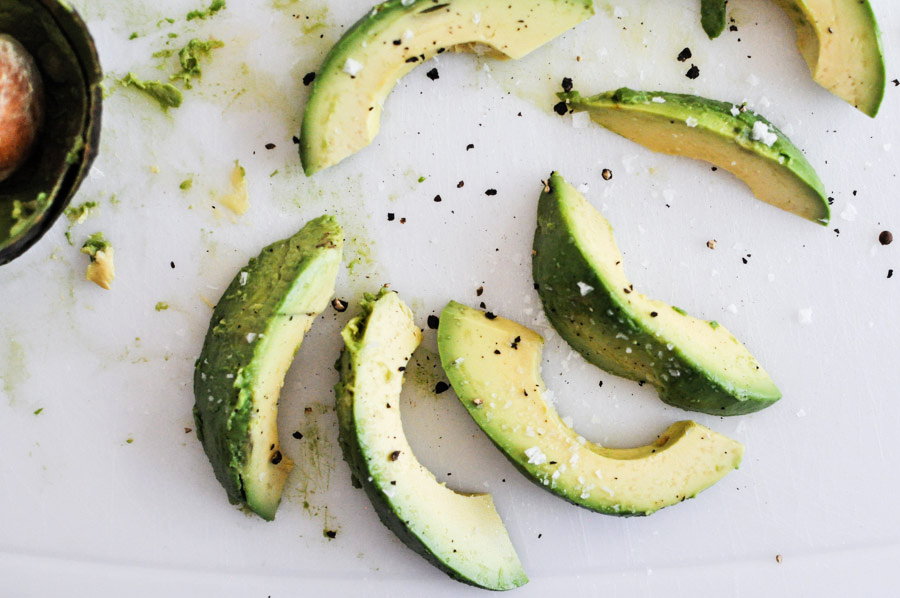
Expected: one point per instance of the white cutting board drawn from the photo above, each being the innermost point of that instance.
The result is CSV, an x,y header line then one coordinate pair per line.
x,y
83,511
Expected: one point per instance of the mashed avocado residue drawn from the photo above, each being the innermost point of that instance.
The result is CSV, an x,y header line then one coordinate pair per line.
x,y
189,57
215,7
161,306
237,201
101,270
24,211
77,215
167,95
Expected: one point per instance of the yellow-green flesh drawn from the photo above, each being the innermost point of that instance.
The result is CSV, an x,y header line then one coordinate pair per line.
x,y
711,349
504,393
463,531
344,111
841,43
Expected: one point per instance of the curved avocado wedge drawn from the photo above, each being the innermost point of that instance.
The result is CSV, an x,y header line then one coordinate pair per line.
x,y
460,534
494,366
255,331
728,136
841,43
580,277
344,107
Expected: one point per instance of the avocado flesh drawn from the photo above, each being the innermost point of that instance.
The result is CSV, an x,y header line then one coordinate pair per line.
x,y
254,333
462,534
712,17
579,271
504,394
841,43
778,174
344,110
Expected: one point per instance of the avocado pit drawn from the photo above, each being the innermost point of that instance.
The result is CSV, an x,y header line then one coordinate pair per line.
x,y
21,105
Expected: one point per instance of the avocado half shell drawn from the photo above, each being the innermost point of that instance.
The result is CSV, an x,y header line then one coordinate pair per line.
x,y
34,196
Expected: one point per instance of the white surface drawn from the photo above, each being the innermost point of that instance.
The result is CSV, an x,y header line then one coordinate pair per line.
x,y
86,513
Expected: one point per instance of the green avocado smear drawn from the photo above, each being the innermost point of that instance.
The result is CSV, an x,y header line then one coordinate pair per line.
x,y
166,94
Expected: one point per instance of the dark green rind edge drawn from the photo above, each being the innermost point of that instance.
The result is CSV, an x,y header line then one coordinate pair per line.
x,y
74,29
627,98
550,236
350,448
223,431
712,17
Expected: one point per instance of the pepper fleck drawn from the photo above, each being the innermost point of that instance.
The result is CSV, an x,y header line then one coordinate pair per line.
x,y
270,146
711,243
395,455
390,216
297,435
693,72
440,387
606,174
460,184
309,78
433,74
490,192
885,238
339,305
890,273
276,458
470,146
561,108
437,199
330,534
567,84
684,55
433,322
489,315
479,291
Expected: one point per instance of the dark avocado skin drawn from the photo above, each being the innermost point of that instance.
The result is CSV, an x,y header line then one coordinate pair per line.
x,y
585,322
712,17
353,456
61,44
223,427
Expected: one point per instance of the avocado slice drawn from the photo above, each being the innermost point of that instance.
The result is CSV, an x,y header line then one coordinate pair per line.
x,y
580,277
726,135
841,43
494,366
344,106
461,534
712,17
255,331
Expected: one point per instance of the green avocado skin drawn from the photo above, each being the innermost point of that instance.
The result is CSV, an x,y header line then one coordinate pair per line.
x,y
712,17
347,438
227,367
591,323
